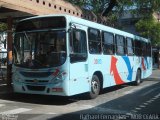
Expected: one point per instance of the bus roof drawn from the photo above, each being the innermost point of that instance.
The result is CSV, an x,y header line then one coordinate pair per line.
x,y
91,24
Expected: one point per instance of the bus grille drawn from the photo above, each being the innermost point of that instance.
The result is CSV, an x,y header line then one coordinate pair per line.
x,y
36,74
37,81
36,88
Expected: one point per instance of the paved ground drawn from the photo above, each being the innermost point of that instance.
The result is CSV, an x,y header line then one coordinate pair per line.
x,y
126,101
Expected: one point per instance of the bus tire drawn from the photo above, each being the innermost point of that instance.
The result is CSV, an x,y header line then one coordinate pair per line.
x,y
138,78
95,87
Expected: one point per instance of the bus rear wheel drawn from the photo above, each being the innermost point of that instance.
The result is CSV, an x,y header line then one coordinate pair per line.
x,y
95,87
138,78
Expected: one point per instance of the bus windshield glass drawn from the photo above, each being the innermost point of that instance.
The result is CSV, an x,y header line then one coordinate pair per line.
x,y
40,49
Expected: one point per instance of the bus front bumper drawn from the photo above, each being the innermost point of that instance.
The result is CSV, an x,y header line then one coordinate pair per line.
x,y
48,89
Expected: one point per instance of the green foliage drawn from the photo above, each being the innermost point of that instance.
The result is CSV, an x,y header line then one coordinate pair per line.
x,y
143,9
149,28
146,8
3,27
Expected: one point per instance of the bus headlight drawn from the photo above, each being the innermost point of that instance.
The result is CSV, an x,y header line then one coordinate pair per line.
x,y
59,78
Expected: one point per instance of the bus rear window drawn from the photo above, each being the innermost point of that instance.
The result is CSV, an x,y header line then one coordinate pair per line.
x,y
41,23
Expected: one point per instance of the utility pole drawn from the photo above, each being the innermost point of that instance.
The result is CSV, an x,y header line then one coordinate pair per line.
x,y
9,50
158,18
158,57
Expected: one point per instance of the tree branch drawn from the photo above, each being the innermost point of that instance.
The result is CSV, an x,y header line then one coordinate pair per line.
x,y
111,4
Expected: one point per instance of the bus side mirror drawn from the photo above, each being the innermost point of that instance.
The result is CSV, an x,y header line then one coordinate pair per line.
x,y
69,30
72,26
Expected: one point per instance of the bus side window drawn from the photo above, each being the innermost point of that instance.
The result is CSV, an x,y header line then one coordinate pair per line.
x,y
149,49
138,48
120,45
94,41
144,49
78,46
130,46
108,43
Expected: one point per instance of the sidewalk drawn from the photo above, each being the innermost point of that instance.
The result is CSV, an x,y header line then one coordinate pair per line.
x,y
155,74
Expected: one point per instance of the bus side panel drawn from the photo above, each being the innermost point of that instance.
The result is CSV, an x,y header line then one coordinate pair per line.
x,y
137,65
122,69
146,66
79,80
115,69
101,63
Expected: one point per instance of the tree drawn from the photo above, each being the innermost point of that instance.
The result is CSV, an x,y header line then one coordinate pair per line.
x,y
149,28
113,9
3,27
100,8
104,7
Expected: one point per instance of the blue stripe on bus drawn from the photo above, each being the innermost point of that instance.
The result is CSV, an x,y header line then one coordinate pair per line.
x,y
130,70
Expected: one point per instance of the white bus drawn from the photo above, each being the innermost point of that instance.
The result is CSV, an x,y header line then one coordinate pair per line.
x,y
65,55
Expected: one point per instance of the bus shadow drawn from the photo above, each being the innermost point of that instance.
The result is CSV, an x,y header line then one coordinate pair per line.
x,y
114,88
152,79
114,109
6,93
84,96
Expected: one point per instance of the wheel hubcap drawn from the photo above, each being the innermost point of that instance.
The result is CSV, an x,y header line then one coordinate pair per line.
x,y
95,86
138,80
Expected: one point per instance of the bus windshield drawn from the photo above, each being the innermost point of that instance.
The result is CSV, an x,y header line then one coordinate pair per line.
x,y
40,49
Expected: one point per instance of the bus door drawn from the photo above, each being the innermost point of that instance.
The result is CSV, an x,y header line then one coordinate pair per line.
x,y
78,60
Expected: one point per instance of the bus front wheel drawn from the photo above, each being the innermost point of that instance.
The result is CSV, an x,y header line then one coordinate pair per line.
x,y
95,87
